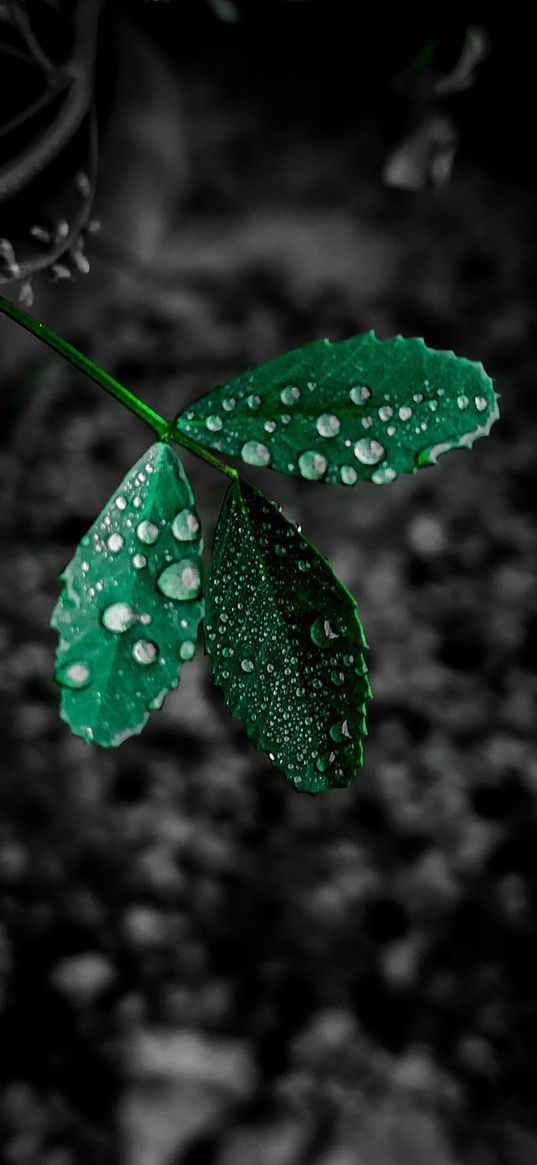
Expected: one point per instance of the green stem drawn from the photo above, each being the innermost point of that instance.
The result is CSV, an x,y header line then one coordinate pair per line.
x,y
165,430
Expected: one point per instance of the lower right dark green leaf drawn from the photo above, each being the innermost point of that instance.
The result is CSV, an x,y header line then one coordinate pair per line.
x,y
286,643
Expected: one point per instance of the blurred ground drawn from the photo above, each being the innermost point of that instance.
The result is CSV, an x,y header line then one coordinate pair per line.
x,y
198,966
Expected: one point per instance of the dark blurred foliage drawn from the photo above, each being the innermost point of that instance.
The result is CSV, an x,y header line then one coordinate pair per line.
x,y
198,966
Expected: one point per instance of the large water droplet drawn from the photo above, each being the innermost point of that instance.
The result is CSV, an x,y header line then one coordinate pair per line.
x,y
147,532
269,426
348,475
480,403
312,465
121,502
115,543
181,580
139,561
253,401
383,475
229,405
214,423
359,394
118,617
340,732
247,665
145,651
369,451
405,412
254,453
322,632
74,675
328,425
385,412
185,526
187,649
463,401
290,395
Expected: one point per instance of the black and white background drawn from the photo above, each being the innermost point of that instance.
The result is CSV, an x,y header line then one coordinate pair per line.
x,y
199,966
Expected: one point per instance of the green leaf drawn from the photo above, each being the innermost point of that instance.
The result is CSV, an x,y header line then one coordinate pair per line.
x,y
286,643
361,409
129,612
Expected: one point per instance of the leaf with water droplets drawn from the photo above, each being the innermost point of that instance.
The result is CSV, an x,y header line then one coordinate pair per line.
x,y
361,409
129,612
286,643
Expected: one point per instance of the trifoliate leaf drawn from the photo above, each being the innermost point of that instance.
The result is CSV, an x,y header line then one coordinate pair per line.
x,y
286,643
129,612
361,409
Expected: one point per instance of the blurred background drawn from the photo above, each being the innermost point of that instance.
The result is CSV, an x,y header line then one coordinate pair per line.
x,y
198,965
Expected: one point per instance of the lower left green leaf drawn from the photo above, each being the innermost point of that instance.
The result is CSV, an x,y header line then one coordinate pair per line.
x,y
129,612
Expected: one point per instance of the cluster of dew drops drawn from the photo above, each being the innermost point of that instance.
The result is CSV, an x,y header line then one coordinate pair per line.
x,y
312,463
179,581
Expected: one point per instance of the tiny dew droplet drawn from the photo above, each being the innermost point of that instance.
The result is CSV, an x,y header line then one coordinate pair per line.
x,y
229,405
139,561
385,413
290,395
147,532
253,401
338,678
214,423
185,526
187,649
369,452
118,617
247,665
145,651
254,453
462,401
137,501
269,426
121,502
480,403
115,542
312,465
181,580
348,475
328,425
84,567
359,394
75,675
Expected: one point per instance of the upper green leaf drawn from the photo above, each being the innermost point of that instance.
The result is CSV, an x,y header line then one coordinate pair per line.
x,y
361,409
286,643
129,612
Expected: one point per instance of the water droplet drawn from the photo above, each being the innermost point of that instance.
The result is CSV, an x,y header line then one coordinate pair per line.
x,y
147,532
359,394
339,732
229,405
115,542
270,668
418,396
432,405
181,580
285,419
214,423
121,503
137,501
75,675
338,678
84,566
139,561
156,703
369,452
383,475
463,401
187,649
322,632
118,617
303,564
480,403
312,465
185,526
348,475
253,401
146,619
145,651
254,453
391,430
385,413
405,412
328,425
269,426
247,665
290,395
